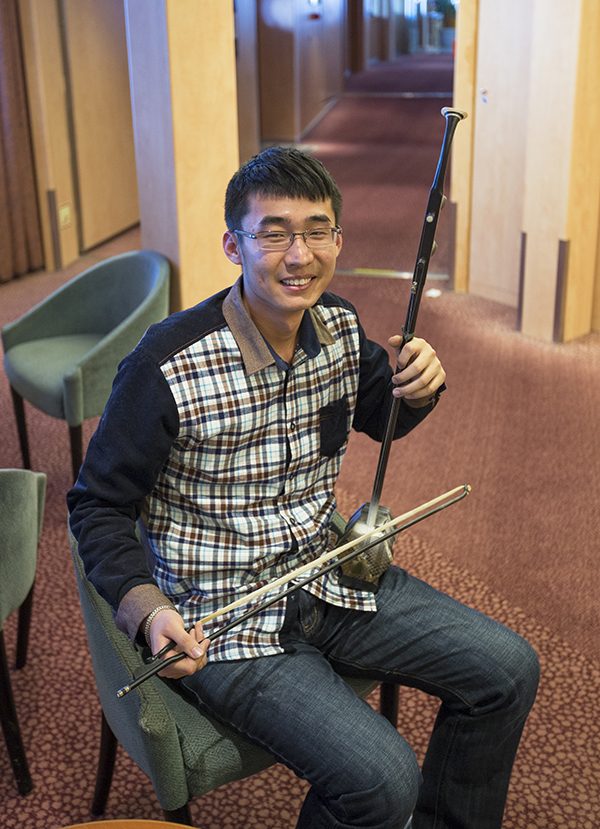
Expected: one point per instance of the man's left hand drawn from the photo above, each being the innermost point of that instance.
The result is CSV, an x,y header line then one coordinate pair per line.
x,y
421,374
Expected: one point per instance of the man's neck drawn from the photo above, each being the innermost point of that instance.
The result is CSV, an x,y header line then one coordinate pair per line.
x,y
281,333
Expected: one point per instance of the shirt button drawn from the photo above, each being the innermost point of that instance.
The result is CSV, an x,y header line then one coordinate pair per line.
x,y
292,426
293,521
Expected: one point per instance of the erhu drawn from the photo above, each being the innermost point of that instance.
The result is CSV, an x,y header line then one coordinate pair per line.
x,y
364,551
364,570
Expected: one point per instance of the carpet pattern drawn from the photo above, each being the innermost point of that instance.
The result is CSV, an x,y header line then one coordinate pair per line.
x,y
556,780
518,422
421,73
555,775
384,199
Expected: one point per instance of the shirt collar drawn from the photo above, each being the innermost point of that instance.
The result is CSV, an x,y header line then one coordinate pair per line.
x,y
253,348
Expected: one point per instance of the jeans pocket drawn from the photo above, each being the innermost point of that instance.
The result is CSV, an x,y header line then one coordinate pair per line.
x,y
333,426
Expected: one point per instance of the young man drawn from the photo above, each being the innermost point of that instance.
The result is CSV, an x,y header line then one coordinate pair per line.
x,y
225,430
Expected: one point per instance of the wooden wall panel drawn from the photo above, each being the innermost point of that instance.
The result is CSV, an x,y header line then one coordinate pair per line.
x,y
319,37
583,221
334,47
553,77
465,69
301,64
501,106
533,160
246,41
102,134
47,97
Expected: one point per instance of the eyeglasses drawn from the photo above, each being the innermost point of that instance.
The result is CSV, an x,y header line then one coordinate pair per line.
x,y
320,237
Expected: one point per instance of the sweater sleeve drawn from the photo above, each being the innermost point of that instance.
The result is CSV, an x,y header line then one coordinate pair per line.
x,y
375,397
124,457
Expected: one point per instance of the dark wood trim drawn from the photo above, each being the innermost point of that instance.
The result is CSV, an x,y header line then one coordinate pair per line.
x,y
522,262
561,284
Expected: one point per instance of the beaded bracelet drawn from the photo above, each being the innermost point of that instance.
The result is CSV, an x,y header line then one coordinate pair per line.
x,y
150,618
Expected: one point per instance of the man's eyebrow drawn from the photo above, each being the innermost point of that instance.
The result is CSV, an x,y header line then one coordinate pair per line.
x,y
282,220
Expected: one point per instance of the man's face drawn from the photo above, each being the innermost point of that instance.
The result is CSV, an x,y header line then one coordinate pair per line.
x,y
280,284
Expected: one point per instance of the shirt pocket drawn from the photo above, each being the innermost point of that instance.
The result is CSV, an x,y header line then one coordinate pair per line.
x,y
333,426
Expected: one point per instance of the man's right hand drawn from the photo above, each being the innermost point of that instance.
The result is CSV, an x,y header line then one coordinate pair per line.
x,y
168,625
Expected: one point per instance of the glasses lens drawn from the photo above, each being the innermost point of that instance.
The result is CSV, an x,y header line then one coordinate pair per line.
x,y
320,238
273,240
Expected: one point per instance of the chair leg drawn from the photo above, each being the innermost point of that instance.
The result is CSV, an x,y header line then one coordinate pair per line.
x,y
19,409
106,766
23,629
388,705
181,815
76,438
10,726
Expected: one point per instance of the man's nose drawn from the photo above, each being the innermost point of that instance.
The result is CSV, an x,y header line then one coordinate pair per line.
x,y
299,250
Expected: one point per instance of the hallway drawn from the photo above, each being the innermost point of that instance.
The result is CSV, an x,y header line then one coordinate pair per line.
x,y
381,142
517,422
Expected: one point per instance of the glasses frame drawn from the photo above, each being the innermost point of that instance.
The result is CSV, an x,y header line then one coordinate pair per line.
x,y
335,231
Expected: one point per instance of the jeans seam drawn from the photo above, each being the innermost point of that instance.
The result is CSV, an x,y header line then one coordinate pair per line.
x,y
398,676
442,775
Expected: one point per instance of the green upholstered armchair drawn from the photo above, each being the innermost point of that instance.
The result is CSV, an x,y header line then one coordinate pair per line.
x,y
62,355
184,752
22,496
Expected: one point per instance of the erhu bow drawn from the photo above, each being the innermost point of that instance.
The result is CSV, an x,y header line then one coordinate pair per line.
x,y
325,563
364,571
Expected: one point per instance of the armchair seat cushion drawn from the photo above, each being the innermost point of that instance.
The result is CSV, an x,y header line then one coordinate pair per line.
x,y
213,753
36,369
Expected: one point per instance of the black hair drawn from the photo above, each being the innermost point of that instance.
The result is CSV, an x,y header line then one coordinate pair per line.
x,y
285,172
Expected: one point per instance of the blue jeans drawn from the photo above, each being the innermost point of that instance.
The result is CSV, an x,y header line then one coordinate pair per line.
x,y
361,770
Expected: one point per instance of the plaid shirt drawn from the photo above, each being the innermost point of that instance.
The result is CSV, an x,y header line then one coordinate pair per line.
x,y
233,456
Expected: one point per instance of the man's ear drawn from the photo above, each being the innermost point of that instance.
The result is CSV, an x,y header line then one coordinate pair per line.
x,y
230,246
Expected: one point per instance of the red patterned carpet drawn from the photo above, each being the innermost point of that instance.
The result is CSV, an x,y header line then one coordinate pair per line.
x,y
381,142
383,152
494,551
518,422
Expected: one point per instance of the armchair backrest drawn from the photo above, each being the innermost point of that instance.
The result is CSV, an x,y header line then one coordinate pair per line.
x,y
98,300
22,498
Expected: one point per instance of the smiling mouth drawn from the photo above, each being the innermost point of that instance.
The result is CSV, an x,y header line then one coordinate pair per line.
x,y
297,282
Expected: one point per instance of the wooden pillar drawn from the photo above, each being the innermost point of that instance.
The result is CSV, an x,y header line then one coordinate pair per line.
x,y
582,289
552,87
526,173
462,148
183,82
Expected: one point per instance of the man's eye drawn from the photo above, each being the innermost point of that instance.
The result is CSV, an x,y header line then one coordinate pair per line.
x,y
274,236
323,233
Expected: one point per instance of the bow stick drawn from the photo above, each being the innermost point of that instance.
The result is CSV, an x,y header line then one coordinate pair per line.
x,y
351,549
426,248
